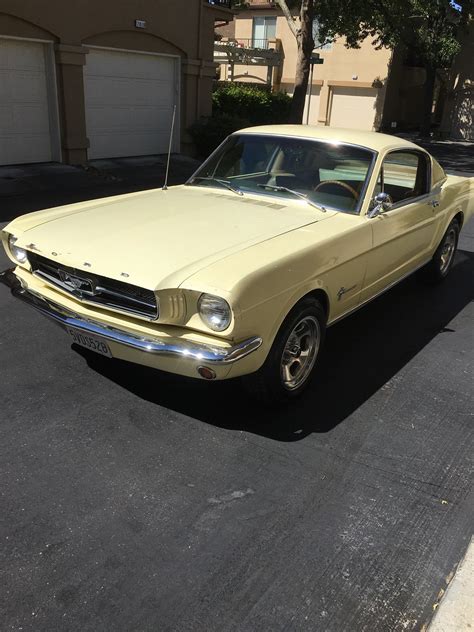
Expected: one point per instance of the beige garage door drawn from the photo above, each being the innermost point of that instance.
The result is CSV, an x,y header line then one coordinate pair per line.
x,y
353,107
25,127
313,105
129,101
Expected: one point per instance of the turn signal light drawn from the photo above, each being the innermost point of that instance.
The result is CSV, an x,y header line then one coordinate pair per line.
x,y
206,373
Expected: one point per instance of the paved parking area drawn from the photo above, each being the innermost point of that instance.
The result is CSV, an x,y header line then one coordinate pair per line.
x,y
133,500
136,501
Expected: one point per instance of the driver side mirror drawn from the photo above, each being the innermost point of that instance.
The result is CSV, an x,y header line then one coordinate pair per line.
x,y
381,203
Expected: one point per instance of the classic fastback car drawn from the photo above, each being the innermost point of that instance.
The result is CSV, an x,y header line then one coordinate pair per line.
x,y
283,231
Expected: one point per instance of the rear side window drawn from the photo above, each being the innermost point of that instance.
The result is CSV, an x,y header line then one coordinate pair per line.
x,y
404,175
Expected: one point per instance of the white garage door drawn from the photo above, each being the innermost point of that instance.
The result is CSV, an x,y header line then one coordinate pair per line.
x,y
353,107
129,102
25,134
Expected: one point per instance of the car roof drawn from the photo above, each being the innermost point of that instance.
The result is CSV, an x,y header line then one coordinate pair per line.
x,y
372,140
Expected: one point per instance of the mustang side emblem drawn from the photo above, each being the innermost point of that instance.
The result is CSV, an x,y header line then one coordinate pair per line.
x,y
344,290
77,284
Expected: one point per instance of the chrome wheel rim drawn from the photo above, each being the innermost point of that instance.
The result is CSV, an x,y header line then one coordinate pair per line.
x,y
447,251
300,353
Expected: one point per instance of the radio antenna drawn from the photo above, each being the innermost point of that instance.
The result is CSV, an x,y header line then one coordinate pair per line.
x,y
165,186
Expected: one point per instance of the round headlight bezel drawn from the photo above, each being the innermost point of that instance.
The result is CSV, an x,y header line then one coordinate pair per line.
x,y
215,312
19,254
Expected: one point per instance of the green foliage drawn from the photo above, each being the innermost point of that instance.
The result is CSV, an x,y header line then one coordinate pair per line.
x,y
429,28
235,107
208,133
257,106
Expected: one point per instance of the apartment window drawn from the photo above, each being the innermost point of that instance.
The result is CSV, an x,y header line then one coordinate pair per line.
x,y
264,29
327,45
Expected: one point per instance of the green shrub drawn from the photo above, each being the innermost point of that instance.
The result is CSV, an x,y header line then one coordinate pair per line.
x,y
257,106
208,133
234,107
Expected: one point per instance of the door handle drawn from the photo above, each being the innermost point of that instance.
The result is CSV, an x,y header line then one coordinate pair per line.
x,y
434,203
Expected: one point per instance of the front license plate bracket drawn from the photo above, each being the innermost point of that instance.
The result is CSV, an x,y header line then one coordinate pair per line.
x,y
93,343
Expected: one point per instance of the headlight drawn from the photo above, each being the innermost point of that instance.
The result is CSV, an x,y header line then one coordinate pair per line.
x,y
18,253
214,312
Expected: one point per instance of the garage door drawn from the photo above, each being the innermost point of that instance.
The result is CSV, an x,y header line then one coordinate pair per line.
x,y
353,107
129,102
24,114
313,105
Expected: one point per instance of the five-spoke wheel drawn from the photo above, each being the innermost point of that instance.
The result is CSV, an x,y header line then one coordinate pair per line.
x,y
300,352
440,265
293,355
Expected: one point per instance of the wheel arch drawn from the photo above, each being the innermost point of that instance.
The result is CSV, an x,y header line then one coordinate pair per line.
x,y
459,217
320,293
321,296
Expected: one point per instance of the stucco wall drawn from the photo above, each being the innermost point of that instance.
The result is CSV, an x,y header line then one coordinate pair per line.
x,y
364,68
455,88
184,28
458,115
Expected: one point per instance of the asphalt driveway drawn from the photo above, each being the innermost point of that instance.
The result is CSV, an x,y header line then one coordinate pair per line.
x,y
135,501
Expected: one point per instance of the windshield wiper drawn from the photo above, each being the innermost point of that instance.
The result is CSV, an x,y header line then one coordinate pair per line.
x,y
224,183
302,196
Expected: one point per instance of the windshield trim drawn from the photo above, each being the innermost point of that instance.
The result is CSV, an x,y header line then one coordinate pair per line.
x,y
325,141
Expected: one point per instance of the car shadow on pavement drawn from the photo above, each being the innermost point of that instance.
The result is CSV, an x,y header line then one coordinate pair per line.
x,y
362,353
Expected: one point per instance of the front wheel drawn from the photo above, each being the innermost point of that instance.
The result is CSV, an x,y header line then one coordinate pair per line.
x,y
291,361
440,265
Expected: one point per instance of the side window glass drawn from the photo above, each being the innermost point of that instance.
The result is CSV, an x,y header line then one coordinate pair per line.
x,y
404,176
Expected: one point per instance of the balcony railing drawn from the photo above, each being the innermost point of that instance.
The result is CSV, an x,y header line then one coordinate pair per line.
x,y
226,4
252,42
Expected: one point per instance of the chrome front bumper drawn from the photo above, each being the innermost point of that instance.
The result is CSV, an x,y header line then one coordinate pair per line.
x,y
166,346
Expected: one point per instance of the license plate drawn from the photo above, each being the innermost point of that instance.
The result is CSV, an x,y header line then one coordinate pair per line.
x,y
89,342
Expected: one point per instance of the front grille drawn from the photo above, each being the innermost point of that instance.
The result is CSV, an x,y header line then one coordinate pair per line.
x,y
95,289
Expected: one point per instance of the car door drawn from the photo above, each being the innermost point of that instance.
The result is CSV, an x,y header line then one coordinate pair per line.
x,y
402,234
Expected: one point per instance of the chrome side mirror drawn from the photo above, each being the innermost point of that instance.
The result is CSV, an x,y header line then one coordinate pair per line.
x,y
382,202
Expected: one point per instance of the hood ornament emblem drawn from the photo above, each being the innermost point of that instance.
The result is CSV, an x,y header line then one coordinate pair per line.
x,y
78,285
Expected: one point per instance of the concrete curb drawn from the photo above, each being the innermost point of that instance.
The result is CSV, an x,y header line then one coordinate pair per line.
x,y
455,612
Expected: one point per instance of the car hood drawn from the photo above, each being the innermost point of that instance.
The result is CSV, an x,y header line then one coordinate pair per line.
x,y
159,238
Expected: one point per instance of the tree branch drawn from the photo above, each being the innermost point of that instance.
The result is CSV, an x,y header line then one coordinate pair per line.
x,y
289,18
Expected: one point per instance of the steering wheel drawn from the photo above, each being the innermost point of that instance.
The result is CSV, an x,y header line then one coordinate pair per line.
x,y
339,183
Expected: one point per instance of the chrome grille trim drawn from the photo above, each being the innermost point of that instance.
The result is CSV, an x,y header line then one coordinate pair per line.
x,y
98,291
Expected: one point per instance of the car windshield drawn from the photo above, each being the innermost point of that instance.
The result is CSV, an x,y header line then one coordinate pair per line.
x,y
325,174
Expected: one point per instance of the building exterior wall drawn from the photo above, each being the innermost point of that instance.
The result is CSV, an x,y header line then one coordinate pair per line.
x,y
458,112
184,28
453,114
364,69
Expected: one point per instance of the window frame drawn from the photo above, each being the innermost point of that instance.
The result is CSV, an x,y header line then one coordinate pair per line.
x,y
265,37
318,45
417,152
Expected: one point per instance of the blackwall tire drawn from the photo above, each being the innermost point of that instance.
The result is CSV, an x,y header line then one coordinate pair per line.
x,y
294,355
441,263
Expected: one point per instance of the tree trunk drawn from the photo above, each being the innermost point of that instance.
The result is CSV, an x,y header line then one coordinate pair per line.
x,y
428,94
305,43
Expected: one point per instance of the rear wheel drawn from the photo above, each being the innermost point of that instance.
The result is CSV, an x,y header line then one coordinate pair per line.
x,y
291,361
440,265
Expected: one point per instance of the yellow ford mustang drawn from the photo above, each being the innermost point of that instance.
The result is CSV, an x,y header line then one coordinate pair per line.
x,y
283,231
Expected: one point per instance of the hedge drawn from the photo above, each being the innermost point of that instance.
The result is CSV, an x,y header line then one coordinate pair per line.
x,y
234,107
